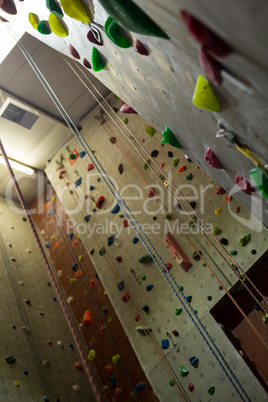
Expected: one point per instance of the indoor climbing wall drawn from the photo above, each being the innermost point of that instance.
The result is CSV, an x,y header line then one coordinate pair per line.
x,y
37,349
193,241
199,69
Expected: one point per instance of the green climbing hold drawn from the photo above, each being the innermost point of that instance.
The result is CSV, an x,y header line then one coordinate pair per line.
x,y
181,288
146,165
97,63
102,251
195,311
168,217
56,26
145,258
216,231
169,138
144,331
175,162
244,240
233,252
265,318
72,156
150,131
121,216
98,179
171,382
183,371
131,17
178,311
189,176
211,390
43,28
191,224
54,8
125,120
113,31
75,10
143,277
261,181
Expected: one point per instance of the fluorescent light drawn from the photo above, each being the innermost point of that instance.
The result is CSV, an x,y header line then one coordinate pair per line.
x,y
18,166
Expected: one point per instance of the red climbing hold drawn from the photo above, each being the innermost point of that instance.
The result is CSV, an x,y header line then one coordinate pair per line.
x,y
175,332
211,66
140,48
90,166
67,185
74,52
49,342
87,318
92,38
168,265
151,192
119,259
205,36
237,210
125,297
190,387
125,223
92,283
87,63
127,109
244,184
108,368
61,174
78,366
220,190
92,251
100,201
212,159
137,318
182,169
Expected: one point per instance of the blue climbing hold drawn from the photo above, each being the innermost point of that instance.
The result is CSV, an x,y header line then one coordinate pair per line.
x,y
193,360
91,188
149,287
120,285
135,240
50,211
70,345
145,308
86,218
97,276
70,235
112,380
78,182
116,209
189,299
46,398
165,344
25,372
54,299
82,154
104,309
139,387
74,266
110,240
47,245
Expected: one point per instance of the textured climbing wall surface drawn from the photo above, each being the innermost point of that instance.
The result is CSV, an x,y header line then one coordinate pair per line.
x,y
23,277
160,87
80,188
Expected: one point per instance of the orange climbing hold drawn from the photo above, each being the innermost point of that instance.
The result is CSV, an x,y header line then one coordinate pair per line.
x,y
125,297
87,318
108,368
56,245
182,169
228,198
78,274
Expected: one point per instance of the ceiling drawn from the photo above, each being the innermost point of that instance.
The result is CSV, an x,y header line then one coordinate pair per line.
x,y
50,132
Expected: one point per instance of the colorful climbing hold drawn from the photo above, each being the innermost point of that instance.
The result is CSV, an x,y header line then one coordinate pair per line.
x,y
54,8
56,26
110,241
127,109
204,97
143,331
182,168
169,138
216,231
150,131
99,202
116,209
145,258
183,371
75,10
211,390
245,240
135,240
94,38
190,387
33,19
217,211
165,344
212,159
139,48
87,318
211,66
115,34
43,28
178,311
97,62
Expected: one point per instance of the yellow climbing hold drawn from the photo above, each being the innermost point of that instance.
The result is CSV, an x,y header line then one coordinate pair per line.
x,y
204,97
80,258
116,359
105,293
109,319
72,281
17,384
52,237
217,211
53,197
75,9
77,236
33,20
91,355
59,30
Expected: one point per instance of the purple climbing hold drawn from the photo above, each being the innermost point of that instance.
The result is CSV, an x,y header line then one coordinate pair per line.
x,y
74,52
139,48
212,159
87,64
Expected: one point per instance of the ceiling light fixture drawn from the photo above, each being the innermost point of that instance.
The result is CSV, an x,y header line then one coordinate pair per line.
x,y
17,166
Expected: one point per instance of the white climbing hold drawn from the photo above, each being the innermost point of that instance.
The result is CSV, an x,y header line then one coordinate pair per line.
x,y
69,299
25,329
60,344
76,388
28,251
59,273
42,232
46,363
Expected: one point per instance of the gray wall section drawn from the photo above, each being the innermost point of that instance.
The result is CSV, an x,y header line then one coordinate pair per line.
x,y
199,282
31,349
160,87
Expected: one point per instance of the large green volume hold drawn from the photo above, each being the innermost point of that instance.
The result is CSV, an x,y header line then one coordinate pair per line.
x,y
131,17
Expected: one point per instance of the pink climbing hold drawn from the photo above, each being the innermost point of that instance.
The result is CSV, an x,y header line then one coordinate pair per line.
x,y
87,63
61,174
205,36
162,165
118,259
92,38
244,184
212,159
220,190
211,66
237,210
74,52
127,109
140,48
